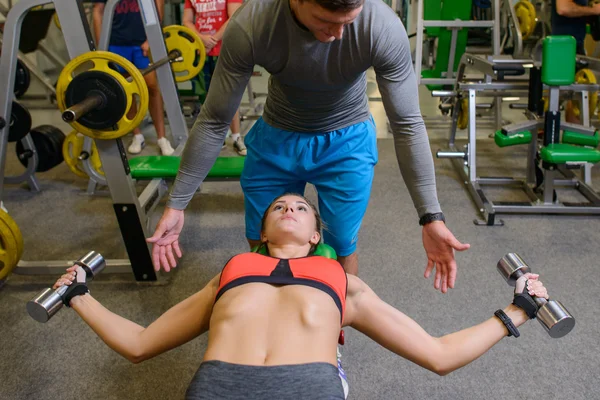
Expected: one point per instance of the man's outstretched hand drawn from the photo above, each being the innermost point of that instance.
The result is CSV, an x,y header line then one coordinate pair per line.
x,y
440,244
165,241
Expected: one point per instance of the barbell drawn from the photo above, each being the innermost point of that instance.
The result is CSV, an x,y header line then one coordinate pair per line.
x,y
95,97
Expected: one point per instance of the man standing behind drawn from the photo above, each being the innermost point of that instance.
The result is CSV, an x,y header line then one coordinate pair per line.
x,y
128,39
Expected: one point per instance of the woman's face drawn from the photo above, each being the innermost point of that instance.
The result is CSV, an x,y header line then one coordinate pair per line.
x,y
290,220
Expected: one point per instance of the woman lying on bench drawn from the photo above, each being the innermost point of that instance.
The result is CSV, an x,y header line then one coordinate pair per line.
x,y
275,319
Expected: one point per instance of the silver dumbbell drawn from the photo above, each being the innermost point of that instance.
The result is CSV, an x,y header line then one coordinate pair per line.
x,y
47,303
553,316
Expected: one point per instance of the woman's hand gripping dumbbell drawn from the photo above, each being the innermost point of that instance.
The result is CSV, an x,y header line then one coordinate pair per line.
x,y
553,316
74,283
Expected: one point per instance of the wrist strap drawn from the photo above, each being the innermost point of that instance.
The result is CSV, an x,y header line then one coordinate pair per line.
x,y
76,289
525,302
512,329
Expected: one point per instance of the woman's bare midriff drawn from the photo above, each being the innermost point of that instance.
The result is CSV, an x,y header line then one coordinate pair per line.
x,y
263,324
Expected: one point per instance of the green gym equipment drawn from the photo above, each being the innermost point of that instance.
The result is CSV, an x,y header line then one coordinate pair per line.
x,y
555,148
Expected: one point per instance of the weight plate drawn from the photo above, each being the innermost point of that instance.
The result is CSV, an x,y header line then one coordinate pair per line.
x,y
48,141
527,17
463,114
20,122
11,244
56,21
135,89
22,79
72,149
187,42
16,232
97,82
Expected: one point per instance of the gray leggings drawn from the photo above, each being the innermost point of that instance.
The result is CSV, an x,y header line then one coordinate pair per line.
x,y
216,380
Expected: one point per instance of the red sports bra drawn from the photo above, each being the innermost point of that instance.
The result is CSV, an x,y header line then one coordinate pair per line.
x,y
316,271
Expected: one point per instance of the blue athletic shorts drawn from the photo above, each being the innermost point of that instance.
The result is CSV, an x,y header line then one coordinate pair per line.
x,y
340,164
131,53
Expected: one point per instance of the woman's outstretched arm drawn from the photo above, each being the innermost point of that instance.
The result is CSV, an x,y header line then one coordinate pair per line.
x,y
392,329
177,326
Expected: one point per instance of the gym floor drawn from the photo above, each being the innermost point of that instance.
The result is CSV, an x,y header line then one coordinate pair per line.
x,y
63,359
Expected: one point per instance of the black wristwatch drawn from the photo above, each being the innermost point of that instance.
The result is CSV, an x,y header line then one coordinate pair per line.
x,y
512,329
431,217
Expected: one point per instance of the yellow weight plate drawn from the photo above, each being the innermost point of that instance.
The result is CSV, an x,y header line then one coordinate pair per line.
x,y
56,21
192,50
16,232
134,87
11,244
525,12
72,149
463,114
586,77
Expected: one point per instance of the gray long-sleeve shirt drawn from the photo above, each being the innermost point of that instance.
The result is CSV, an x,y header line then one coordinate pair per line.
x,y
313,87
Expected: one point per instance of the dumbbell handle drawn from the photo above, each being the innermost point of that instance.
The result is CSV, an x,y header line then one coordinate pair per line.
x,y
540,301
47,303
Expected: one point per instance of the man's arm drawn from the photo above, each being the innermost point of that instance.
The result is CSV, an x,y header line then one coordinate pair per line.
x,y
227,86
570,9
97,14
399,91
231,9
179,325
398,333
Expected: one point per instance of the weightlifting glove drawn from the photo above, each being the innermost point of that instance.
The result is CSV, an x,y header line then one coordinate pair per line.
x,y
75,289
525,302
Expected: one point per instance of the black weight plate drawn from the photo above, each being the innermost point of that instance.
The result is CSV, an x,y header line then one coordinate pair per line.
x,y
57,138
97,82
22,79
20,122
47,140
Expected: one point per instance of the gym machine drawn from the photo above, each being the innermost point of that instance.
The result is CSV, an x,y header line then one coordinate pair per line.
x,y
449,23
453,17
574,149
526,23
38,149
28,67
131,212
81,153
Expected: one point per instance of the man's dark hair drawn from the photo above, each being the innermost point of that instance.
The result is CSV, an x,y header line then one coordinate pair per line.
x,y
338,5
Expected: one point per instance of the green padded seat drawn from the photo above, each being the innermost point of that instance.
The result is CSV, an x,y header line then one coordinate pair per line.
x,y
322,249
503,140
152,167
560,153
580,139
